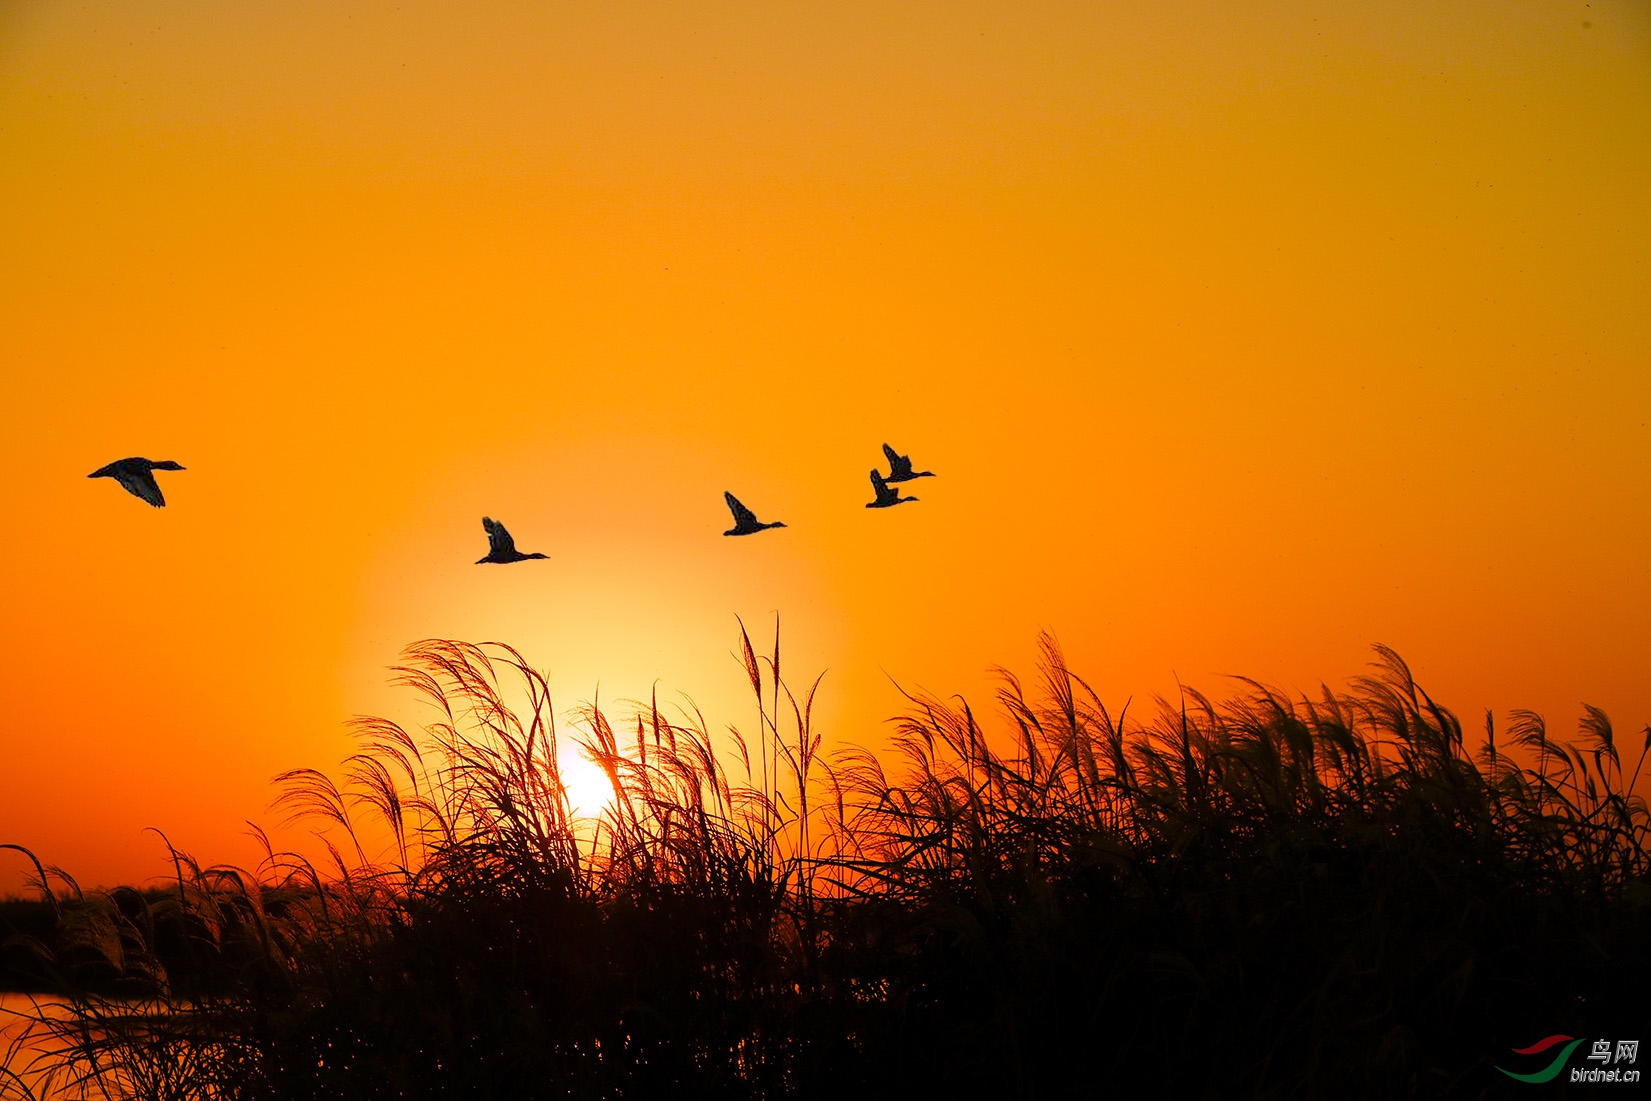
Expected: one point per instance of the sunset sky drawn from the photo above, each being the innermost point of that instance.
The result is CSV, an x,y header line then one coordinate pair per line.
x,y
1240,336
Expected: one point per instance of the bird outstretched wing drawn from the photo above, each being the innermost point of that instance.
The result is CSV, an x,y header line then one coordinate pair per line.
x,y
498,539
743,517
898,464
144,484
881,486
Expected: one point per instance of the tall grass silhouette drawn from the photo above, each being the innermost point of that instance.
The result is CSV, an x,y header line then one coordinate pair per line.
x,y
1258,896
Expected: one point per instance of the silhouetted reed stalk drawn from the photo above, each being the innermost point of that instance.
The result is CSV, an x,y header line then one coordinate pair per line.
x,y
1311,896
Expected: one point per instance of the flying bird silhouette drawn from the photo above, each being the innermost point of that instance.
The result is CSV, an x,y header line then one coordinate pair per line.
x,y
900,467
745,521
136,476
500,546
887,495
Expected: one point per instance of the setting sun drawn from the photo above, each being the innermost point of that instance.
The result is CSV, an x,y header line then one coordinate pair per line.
x,y
590,792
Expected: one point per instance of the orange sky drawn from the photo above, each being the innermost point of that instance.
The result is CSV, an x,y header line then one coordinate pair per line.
x,y
1241,336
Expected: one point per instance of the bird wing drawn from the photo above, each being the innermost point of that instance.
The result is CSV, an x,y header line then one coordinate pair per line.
x,y
881,486
141,484
498,539
898,463
743,517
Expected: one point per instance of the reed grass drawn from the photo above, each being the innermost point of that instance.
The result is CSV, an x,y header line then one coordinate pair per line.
x,y
1261,896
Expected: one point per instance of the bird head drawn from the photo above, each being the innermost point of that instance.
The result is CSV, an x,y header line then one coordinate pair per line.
x,y
166,464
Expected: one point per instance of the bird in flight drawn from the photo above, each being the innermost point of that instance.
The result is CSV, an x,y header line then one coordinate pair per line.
x,y
745,521
887,495
136,477
500,546
900,467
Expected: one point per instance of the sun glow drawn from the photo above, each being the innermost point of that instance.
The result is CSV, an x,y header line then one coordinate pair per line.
x,y
590,792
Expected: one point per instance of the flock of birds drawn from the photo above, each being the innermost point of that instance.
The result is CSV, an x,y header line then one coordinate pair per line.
x,y
137,476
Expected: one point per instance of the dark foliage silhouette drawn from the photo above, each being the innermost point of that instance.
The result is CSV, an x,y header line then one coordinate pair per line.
x,y
1262,896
